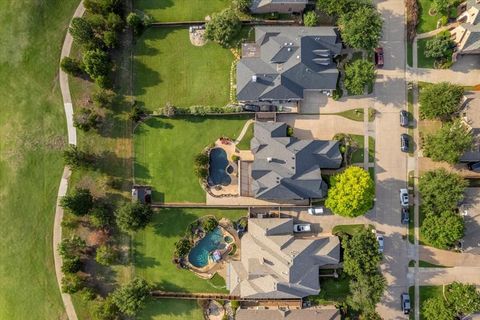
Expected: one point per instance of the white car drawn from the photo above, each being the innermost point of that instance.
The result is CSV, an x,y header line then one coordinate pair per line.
x,y
404,197
380,243
315,211
302,227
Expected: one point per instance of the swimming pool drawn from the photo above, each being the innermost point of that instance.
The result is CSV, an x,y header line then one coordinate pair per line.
x,y
199,254
218,164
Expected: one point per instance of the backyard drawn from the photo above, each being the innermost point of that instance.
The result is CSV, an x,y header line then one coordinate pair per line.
x,y
171,309
168,68
180,10
165,150
154,248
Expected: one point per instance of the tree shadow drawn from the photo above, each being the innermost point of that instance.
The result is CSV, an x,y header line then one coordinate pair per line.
x,y
172,222
145,77
142,261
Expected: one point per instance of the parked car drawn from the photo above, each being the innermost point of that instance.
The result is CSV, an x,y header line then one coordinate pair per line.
x,y
302,227
405,303
404,198
251,108
379,57
405,216
474,166
404,118
405,142
380,243
268,108
315,211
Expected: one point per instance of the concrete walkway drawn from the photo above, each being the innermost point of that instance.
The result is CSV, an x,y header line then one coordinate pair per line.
x,y
244,131
62,189
448,258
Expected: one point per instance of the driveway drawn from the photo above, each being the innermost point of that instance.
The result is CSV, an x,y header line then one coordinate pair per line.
x,y
440,276
471,210
322,127
448,258
315,102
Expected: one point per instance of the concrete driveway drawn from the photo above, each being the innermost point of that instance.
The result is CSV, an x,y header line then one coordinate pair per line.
x,y
471,209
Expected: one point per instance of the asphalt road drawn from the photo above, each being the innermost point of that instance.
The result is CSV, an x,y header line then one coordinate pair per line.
x,y
391,163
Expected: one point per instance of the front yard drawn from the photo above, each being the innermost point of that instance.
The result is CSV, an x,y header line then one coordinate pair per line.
x,y
154,248
168,68
180,10
165,150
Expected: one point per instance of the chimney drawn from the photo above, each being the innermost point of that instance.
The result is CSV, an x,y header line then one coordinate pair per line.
x,y
254,78
269,159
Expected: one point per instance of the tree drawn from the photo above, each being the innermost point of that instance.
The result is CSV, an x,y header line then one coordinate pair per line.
x,y
82,32
448,143
101,216
86,119
310,19
361,29
361,255
223,27
133,216
106,310
464,299
71,247
357,75
352,192
97,63
441,5
440,100
441,191
71,283
131,297
103,6
440,47
79,202
135,22
75,158
442,230
365,292
436,309
110,39
242,5
104,98
209,224
71,265
339,7
182,247
71,66
106,255
201,159
114,22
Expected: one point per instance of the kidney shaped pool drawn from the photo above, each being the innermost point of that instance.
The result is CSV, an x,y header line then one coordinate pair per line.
x,y
217,174
212,241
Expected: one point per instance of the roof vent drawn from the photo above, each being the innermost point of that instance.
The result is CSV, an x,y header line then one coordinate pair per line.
x,y
291,43
298,57
285,44
289,49
254,78
269,159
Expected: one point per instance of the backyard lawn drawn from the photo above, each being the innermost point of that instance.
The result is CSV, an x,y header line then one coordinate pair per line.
x,y
171,309
426,22
32,131
333,290
154,249
180,10
244,144
165,150
168,68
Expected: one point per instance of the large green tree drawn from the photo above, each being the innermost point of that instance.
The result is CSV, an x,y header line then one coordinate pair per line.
x,y
97,63
463,298
133,216
310,19
441,190
436,309
79,202
223,27
339,7
361,29
82,32
448,143
442,230
357,75
365,292
440,100
131,297
352,192
440,47
361,255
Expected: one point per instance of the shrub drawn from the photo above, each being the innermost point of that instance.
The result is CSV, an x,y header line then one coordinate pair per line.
x,y
182,247
209,224
106,255
358,74
79,202
242,5
201,172
86,119
310,19
71,66
82,32
202,159
110,39
131,297
114,22
223,27
106,310
71,247
289,131
101,216
71,265
135,22
75,158
132,217
71,283
440,100
97,63
87,294
440,47
104,98
235,158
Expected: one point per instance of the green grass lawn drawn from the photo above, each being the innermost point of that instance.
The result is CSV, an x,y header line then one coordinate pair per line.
x,y
426,292
332,290
426,22
423,62
180,10
165,150
350,229
154,249
33,134
409,54
244,144
425,264
168,68
171,309
357,156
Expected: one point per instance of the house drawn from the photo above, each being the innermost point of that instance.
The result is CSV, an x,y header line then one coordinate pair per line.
x,y
278,314
280,6
284,62
467,34
276,265
287,168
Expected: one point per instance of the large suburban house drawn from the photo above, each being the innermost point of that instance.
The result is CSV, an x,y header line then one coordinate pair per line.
x,y
284,62
467,34
295,314
287,168
276,265
280,6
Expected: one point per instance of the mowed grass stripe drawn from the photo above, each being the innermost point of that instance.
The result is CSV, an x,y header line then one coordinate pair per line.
x,y
180,10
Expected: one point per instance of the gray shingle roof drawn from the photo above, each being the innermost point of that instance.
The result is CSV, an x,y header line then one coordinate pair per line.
x,y
256,4
291,59
289,168
302,314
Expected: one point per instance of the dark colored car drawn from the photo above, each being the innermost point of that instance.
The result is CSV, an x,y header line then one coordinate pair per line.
x,y
268,108
405,303
379,57
404,118
251,108
405,216
405,142
474,166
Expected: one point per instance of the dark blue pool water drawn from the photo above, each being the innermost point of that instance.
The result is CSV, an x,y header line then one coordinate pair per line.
x,y
199,254
217,174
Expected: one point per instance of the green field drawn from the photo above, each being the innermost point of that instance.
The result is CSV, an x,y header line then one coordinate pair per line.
x,y
33,131
171,309
180,10
165,150
424,62
168,68
154,249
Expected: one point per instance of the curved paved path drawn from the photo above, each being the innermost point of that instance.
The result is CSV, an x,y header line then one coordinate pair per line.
x,y
62,189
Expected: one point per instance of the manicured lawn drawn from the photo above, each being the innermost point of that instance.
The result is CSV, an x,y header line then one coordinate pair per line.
x,y
425,264
426,22
33,134
332,290
423,61
180,10
350,229
244,144
168,68
409,54
165,150
171,309
357,156
426,292
154,249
